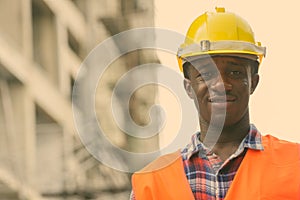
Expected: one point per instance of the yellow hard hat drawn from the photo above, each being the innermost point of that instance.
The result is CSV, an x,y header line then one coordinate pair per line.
x,y
219,32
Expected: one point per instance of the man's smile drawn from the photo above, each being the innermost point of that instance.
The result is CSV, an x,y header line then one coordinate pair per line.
x,y
222,99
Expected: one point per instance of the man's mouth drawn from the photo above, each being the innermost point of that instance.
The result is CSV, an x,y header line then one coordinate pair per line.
x,y
221,99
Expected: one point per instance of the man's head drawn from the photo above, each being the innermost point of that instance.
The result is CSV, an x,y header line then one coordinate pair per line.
x,y
223,83
220,59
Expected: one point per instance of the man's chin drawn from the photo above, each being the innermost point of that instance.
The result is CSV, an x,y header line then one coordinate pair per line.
x,y
221,121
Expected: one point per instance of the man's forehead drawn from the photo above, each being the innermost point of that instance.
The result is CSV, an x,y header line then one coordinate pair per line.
x,y
207,59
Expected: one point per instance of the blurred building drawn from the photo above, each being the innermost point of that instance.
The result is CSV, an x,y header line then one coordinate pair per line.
x,y
42,44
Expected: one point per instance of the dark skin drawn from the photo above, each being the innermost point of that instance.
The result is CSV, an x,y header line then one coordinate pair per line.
x,y
223,84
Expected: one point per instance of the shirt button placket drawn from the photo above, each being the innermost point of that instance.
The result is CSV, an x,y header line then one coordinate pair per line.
x,y
217,188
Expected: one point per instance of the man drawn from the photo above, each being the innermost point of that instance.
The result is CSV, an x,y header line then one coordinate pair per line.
x,y
229,158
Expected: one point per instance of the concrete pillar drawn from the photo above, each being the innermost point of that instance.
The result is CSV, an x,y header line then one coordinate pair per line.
x,y
11,23
45,40
27,39
50,158
64,79
20,118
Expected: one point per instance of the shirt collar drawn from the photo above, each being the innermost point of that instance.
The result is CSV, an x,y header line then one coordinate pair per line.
x,y
252,141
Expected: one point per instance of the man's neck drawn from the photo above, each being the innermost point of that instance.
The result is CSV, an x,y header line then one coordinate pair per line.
x,y
229,137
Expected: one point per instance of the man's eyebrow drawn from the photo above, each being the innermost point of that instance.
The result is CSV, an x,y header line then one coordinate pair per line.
x,y
237,63
204,66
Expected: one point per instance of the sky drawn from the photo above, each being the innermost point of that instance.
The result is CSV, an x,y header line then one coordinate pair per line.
x,y
275,105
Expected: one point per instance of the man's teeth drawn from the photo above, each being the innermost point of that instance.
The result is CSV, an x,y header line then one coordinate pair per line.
x,y
218,101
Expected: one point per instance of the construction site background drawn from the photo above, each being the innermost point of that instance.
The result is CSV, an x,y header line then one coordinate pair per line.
x,y
42,45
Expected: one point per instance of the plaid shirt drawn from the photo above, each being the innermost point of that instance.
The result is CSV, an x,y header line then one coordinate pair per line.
x,y
208,175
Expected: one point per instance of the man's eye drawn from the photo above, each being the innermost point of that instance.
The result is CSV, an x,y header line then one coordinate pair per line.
x,y
236,73
206,75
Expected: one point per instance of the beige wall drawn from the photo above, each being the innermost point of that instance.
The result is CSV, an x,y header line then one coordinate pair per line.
x,y
275,106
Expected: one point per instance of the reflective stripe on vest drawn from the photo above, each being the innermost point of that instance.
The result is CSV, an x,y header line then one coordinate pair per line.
x,y
271,174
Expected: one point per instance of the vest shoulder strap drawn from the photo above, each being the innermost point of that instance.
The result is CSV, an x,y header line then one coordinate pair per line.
x,y
164,178
161,162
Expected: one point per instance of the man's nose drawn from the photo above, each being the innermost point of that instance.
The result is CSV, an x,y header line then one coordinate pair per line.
x,y
221,84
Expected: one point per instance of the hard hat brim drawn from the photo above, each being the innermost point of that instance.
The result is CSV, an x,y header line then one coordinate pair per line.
x,y
237,48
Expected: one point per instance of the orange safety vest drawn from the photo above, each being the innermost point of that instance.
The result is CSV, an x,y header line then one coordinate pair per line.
x,y
271,174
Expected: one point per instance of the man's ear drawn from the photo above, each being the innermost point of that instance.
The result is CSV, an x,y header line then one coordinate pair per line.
x,y
254,82
188,87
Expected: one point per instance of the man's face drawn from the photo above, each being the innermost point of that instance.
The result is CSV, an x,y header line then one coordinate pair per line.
x,y
221,83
